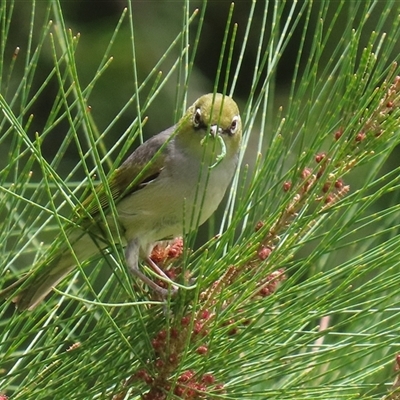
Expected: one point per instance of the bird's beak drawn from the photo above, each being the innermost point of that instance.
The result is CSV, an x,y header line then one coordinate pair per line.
x,y
214,130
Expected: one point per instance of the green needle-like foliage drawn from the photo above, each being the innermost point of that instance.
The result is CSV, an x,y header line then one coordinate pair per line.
x,y
294,294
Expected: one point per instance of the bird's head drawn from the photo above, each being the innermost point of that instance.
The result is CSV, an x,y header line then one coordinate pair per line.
x,y
209,120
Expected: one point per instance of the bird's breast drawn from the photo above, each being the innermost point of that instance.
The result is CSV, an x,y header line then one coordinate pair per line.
x,y
181,198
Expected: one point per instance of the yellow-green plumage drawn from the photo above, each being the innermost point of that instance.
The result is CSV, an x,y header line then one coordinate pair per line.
x,y
171,174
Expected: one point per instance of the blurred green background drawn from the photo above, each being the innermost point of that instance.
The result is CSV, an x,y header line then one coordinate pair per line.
x,y
156,24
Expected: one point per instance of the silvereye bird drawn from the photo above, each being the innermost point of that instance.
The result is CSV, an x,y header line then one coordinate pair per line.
x,y
170,184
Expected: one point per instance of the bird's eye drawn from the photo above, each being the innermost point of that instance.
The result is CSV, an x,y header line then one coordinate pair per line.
x,y
234,125
197,118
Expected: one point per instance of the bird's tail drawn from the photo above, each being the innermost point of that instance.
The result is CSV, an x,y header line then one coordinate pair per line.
x,y
32,288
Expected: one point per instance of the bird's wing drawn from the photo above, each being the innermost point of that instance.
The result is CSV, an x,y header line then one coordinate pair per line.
x,y
141,167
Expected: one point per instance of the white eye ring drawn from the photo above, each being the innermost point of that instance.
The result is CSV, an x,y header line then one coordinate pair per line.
x,y
197,118
235,124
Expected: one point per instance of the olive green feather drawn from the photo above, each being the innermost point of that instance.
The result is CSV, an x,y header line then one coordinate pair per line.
x,y
141,167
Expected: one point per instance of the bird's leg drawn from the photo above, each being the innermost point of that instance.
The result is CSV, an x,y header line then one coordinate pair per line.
x,y
132,259
156,268
160,272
